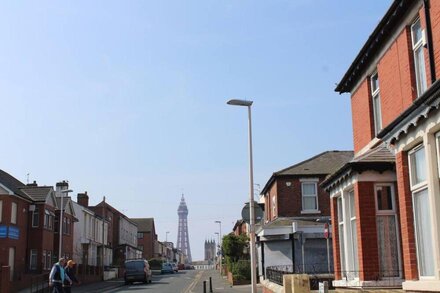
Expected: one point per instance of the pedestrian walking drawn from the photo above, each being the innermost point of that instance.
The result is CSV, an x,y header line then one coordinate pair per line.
x,y
57,276
70,271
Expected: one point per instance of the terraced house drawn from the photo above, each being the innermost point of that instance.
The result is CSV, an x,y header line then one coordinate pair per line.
x,y
385,202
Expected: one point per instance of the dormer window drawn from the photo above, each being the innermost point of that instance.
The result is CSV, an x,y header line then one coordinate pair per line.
x,y
375,95
418,41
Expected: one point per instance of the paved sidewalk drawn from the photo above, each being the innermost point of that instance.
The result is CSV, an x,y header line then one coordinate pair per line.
x,y
219,284
98,286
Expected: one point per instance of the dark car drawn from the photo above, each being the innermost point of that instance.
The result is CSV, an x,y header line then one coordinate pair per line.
x,y
137,270
167,268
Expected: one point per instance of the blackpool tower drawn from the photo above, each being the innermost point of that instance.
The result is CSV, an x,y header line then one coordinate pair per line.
x,y
182,234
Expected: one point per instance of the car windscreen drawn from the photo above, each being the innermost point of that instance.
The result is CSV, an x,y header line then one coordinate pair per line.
x,y
134,266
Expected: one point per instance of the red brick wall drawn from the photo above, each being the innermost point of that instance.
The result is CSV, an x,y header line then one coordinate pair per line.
x,y
20,244
366,230
148,245
335,238
290,198
435,22
362,116
269,208
40,238
396,78
406,217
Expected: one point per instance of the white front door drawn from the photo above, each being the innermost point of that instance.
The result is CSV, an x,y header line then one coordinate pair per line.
x,y
11,261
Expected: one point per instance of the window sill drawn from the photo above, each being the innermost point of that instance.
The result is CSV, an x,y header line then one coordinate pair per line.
x,y
310,212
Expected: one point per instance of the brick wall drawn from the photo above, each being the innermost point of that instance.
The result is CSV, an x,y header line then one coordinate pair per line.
x,y
290,198
366,230
396,78
435,22
335,238
362,116
406,217
18,244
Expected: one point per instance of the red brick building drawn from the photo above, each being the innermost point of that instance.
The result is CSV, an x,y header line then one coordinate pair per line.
x,y
14,217
240,227
147,237
27,229
296,210
385,201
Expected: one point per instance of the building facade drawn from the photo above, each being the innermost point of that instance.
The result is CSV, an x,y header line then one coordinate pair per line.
x,y
146,236
296,211
385,202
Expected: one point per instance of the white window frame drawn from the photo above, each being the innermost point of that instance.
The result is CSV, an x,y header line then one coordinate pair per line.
x,y
349,252
420,69
376,103
392,212
340,218
33,253
14,209
274,205
416,188
309,211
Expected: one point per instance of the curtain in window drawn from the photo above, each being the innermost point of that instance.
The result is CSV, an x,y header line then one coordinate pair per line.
x,y
388,246
424,237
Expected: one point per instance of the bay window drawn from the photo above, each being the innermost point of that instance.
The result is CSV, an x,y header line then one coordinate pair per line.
x,y
422,213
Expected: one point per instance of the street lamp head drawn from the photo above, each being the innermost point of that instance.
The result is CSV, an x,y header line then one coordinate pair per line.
x,y
66,191
218,222
235,102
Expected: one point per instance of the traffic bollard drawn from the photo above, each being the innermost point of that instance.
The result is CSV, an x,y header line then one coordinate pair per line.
x,y
210,284
204,286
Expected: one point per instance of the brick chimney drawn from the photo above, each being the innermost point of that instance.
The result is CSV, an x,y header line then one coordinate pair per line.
x,y
83,199
63,185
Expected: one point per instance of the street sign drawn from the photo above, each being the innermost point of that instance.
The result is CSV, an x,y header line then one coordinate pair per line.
x,y
326,231
258,213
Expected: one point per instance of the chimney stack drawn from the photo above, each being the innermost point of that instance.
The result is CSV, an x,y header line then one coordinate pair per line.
x,y
83,199
63,185
32,184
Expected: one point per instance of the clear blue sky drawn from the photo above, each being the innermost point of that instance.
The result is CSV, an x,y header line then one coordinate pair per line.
x,y
127,98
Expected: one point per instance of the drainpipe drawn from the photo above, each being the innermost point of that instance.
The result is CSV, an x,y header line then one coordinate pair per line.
x,y
426,6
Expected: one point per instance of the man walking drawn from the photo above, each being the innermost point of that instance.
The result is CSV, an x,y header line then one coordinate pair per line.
x,y
70,272
57,276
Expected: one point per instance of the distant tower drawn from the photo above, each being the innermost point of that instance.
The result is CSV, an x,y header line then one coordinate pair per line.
x,y
182,234
210,251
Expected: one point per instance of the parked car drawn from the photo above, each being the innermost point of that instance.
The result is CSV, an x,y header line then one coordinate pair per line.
x,y
181,266
137,270
167,268
175,268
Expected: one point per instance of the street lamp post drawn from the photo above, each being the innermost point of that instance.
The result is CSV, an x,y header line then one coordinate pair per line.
x,y
248,104
60,244
220,244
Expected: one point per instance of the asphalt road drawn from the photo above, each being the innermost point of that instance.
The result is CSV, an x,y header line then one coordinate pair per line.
x,y
182,282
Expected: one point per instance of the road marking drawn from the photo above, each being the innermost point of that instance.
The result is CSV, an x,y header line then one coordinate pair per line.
x,y
194,283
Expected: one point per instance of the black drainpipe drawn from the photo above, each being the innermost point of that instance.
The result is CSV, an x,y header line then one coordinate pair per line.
x,y
426,5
